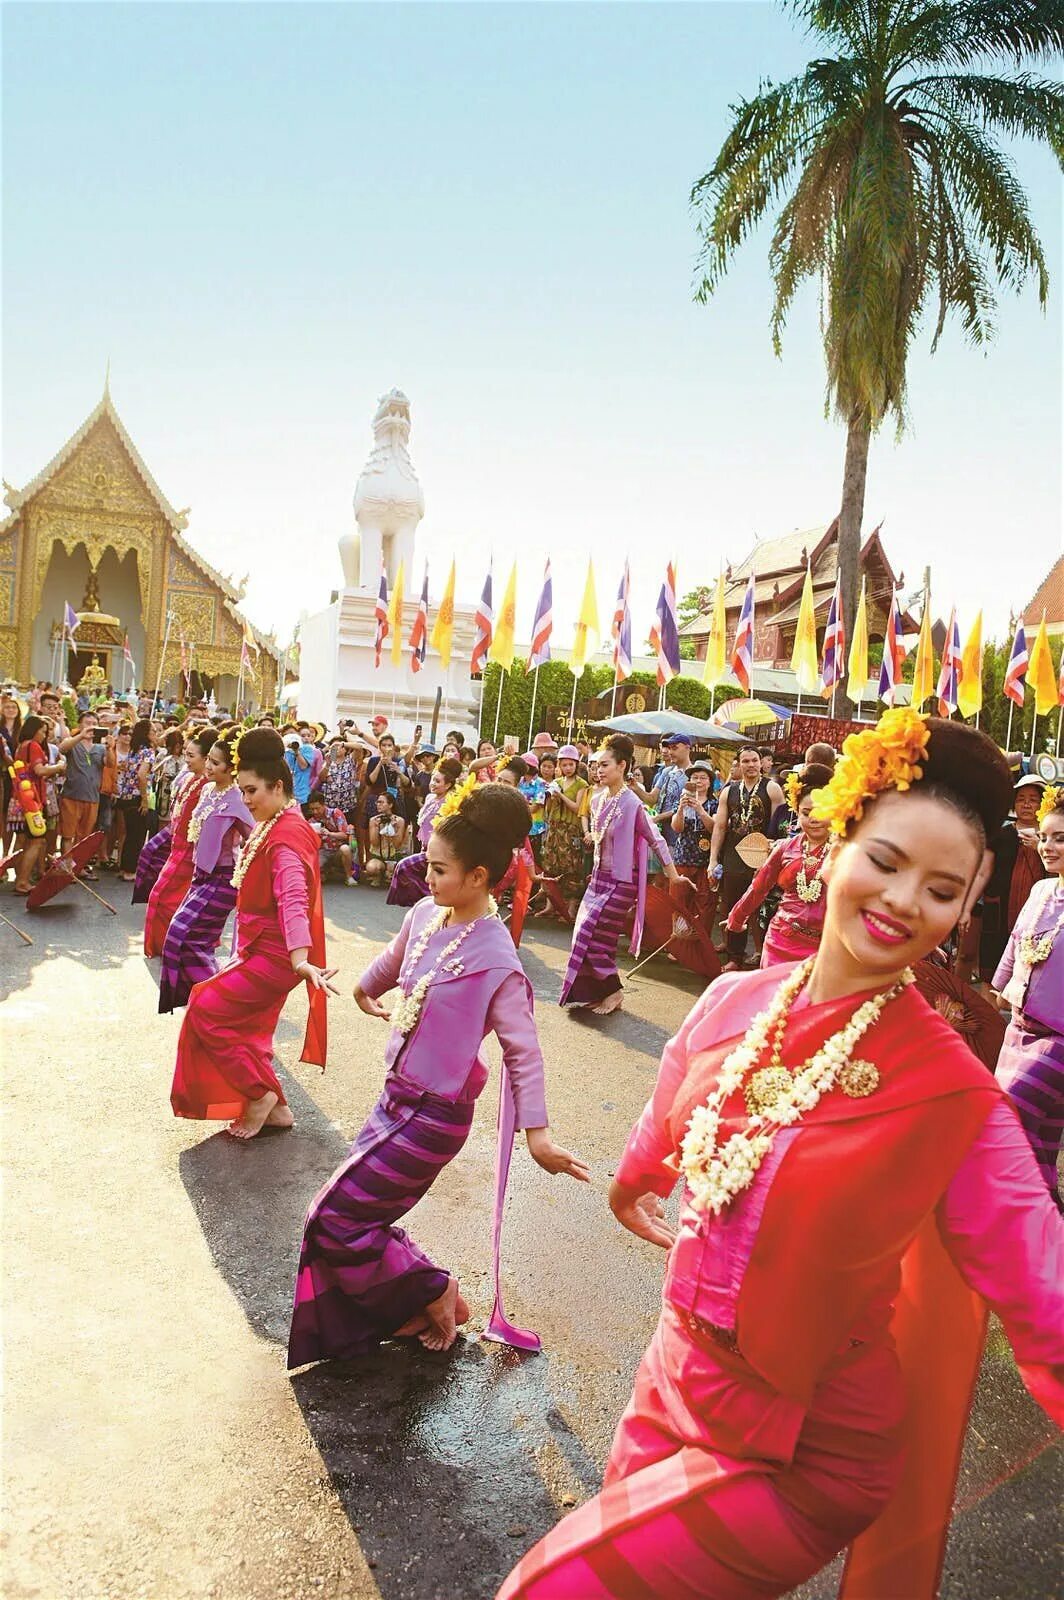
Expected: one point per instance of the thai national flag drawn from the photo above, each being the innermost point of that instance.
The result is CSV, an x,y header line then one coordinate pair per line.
x,y
665,630
1016,671
127,653
893,653
543,626
70,620
419,633
742,656
950,676
834,644
380,611
621,630
483,620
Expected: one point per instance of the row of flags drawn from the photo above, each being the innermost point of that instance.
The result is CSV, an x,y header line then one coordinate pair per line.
x,y
957,687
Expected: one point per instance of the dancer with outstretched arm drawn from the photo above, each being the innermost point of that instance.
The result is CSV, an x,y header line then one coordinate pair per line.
x,y
361,1277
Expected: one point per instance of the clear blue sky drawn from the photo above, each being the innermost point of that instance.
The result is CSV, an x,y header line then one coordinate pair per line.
x,y
268,215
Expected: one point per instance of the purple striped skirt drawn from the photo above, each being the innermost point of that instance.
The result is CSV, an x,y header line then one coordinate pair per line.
x,y
604,912
360,1277
409,882
194,935
1030,1069
150,863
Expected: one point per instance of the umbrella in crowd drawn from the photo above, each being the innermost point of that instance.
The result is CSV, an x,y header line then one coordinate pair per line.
x,y
62,871
749,714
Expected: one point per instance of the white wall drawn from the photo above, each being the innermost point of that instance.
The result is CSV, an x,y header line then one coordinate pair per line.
x,y
318,661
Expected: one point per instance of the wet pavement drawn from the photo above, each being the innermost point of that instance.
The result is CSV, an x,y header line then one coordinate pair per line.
x,y
155,1446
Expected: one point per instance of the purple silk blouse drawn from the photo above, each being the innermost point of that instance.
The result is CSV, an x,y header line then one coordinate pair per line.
x,y
227,822
1043,998
996,1218
489,993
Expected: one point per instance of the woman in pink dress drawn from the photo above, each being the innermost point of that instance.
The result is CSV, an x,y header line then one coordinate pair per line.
x,y
175,874
857,1189
793,866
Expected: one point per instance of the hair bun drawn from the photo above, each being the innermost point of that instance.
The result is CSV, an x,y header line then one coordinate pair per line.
x,y
499,811
260,744
967,761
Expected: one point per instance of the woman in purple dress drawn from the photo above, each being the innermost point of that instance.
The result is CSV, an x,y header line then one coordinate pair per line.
x,y
361,1277
217,826
622,834
1030,977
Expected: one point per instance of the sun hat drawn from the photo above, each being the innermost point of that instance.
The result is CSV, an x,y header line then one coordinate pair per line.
x,y
701,766
544,741
1032,780
531,760
568,752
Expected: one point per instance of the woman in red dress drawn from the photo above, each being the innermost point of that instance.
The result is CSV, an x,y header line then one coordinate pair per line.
x,y
225,1051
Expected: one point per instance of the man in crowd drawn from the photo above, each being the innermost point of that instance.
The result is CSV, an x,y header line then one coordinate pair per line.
x,y
745,808
669,784
79,803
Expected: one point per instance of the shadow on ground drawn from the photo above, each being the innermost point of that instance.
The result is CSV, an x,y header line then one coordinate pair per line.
x,y
429,1456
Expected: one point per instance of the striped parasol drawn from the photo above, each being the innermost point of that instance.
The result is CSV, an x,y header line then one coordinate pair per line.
x,y
748,714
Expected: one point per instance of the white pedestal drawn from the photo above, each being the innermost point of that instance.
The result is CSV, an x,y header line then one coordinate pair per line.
x,y
337,677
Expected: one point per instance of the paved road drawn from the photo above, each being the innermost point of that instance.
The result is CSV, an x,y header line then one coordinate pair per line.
x,y
154,1446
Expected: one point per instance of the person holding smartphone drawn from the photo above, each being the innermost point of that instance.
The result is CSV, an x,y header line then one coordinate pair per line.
x,y
79,803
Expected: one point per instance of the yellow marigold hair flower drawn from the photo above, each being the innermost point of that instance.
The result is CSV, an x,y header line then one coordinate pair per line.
x,y
792,789
1051,799
887,756
455,798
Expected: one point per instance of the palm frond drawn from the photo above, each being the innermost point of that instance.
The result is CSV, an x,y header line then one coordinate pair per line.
x,y
1022,107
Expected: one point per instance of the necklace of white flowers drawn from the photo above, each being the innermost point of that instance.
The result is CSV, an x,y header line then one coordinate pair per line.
x,y
1034,948
254,843
775,1097
602,816
211,800
810,888
406,1013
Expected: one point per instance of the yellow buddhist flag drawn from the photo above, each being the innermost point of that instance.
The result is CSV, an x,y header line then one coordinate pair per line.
x,y
443,627
805,660
502,645
857,681
970,688
395,618
924,672
1041,673
716,668
587,626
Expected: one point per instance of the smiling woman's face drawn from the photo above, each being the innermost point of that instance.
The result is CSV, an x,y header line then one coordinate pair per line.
x,y
898,882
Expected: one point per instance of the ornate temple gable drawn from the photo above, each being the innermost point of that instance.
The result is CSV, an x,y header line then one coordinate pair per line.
x,y
99,478
105,412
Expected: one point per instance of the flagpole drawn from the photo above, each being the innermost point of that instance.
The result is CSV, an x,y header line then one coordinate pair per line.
x,y
1034,729
498,706
532,717
1008,731
572,710
1060,720
613,694
162,658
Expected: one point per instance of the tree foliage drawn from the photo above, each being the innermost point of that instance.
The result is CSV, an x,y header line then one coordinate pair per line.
x,y
883,165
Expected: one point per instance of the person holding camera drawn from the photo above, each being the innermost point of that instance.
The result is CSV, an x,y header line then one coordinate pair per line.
x,y
79,802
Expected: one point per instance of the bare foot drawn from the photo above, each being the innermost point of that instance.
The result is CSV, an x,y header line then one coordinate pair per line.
x,y
415,1325
255,1114
280,1117
443,1316
612,1002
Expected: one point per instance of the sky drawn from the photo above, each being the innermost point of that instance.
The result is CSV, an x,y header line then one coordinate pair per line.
x,y
266,216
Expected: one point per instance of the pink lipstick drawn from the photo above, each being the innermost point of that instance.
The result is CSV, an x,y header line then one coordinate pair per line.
x,y
884,929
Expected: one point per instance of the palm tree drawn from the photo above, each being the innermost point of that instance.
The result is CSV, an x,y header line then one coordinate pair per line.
x,y
895,194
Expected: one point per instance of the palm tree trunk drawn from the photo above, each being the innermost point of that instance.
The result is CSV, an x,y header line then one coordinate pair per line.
x,y
851,515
